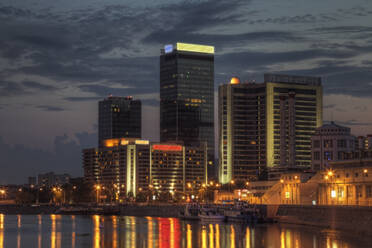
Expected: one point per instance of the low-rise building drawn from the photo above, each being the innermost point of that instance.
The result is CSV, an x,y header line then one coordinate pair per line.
x,y
127,166
346,182
329,143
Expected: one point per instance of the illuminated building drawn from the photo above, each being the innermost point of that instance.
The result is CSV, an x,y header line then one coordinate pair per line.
x,y
363,143
242,130
127,166
187,96
344,182
330,143
50,179
119,117
121,165
267,126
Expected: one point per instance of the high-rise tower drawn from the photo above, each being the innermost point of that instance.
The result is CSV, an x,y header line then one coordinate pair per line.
x,y
119,117
186,96
267,126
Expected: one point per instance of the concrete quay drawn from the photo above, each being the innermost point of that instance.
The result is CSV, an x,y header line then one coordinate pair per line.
x,y
346,218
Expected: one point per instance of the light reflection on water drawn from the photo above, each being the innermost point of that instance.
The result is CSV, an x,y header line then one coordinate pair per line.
x,y
56,231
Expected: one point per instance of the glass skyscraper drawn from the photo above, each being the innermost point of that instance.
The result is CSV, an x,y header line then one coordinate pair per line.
x,y
186,96
119,117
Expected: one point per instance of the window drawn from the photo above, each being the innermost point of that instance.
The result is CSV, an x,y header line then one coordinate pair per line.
x,y
340,155
341,143
340,192
316,143
328,155
369,191
349,191
328,144
358,190
316,155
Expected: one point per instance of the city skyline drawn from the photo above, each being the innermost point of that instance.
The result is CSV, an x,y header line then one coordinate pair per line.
x,y
51,78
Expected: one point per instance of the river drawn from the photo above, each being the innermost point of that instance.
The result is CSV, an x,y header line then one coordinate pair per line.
x,y
56,231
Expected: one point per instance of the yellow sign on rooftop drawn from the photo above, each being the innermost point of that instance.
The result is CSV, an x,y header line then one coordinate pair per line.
x,y
195,48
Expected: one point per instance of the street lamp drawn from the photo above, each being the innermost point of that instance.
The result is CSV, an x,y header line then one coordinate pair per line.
x,y
98,188
2,193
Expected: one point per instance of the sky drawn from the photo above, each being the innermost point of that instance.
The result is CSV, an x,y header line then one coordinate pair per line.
x,y
59,58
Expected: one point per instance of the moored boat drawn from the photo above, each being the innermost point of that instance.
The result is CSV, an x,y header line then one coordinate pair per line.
x,y
211,215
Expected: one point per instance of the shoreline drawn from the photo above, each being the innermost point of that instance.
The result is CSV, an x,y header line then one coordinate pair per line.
x,y
343,218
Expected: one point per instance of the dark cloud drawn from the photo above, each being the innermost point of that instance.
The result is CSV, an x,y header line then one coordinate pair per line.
x,y
220,40
38,86
303,19
343,29
65,157
102,90
10,89
82,99
354,123
50,108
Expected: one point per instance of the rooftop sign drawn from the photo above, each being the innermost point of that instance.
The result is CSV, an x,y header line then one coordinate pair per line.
x,y
170,148
168,48
195,48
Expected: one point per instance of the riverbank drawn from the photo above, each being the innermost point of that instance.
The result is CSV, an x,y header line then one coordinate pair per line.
x,y
164,210
345,218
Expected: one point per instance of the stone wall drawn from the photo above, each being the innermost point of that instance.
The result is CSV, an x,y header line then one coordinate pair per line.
x,y
348,218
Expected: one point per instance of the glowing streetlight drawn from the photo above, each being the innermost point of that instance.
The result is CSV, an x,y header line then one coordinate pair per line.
x,y
330,173
365,171
98,188
281,180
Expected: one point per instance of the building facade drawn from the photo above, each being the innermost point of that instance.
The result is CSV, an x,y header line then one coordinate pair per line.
x,y
330,143
187,96
50,179
242,131
127,166
119,117
267,126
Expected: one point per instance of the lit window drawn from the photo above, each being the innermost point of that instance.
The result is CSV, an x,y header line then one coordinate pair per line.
x,y
333,193
287,195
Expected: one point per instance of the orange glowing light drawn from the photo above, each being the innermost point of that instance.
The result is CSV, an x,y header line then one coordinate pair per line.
x,y
235,80
172,148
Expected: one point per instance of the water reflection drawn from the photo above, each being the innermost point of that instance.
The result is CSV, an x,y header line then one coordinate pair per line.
x,y
55,231
1,231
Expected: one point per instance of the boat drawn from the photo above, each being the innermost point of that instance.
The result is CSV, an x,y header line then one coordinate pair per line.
x,y
210,215
190,212
240,215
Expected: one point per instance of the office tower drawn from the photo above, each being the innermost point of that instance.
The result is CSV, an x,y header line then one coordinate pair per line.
x,y
242,130
186,96
126,166
267,126
119,117
330,143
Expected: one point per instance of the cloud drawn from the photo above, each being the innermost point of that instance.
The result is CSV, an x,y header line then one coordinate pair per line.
x,y
38,86
11,89
66,158
82,99
50,108
354,123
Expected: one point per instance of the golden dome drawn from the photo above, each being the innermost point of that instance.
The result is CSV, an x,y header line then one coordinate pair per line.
x,y
235,80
